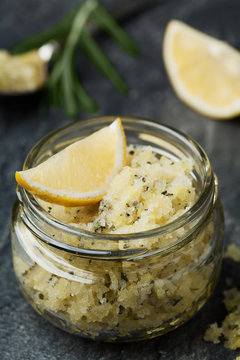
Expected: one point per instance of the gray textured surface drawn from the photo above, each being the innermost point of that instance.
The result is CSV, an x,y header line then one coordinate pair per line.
x,y
23,333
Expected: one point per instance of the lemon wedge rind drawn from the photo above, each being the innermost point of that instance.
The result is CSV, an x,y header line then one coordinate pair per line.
x,y
81,173
204,71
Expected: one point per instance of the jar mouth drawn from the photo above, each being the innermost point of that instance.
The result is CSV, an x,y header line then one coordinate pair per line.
x,y
149,128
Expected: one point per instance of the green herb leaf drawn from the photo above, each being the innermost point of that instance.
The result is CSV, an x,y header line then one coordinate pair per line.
x,y
57,32
101,61
64,76
105,21
86,102
70,100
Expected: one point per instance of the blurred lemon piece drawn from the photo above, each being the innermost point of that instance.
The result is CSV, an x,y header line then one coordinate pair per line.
x,y
21,73
204,71
81,173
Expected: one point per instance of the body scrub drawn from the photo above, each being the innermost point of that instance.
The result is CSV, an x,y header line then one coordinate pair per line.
x,y
139,263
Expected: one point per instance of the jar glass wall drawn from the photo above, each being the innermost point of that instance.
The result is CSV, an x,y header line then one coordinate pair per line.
x,y
120,287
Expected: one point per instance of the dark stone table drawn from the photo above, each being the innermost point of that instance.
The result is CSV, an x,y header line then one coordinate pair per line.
x,y
23,333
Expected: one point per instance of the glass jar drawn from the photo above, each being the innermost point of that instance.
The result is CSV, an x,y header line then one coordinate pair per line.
x,y
120,287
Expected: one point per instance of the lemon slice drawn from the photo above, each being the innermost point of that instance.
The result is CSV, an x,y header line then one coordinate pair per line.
x,y
81,173
204,71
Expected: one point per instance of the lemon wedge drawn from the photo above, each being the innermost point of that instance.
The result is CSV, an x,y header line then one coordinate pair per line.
x,y
204,71
81,173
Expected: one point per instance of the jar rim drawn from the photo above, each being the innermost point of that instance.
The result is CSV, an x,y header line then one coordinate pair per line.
x,y
209,186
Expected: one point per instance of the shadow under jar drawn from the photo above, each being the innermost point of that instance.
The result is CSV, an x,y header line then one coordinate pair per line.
x,y
120,287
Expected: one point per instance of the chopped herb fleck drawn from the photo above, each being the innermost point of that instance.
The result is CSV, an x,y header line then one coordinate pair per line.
x,y
131,152
71,272
121,309
33,266
41,296
124,277
164,192
176,301
98,226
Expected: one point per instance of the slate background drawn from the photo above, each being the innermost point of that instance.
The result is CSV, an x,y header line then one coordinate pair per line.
x,y
23,333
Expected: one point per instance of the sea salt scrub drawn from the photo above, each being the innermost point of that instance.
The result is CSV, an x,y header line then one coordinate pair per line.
x,y
149,192
137,264
229,331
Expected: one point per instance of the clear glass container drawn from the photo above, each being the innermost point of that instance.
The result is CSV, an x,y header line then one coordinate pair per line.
x,y
120,287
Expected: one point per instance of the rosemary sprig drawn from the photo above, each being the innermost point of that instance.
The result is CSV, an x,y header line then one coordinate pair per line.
x,y
64,86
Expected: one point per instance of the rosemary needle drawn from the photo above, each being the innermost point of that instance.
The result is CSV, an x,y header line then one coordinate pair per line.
x,y
64,76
